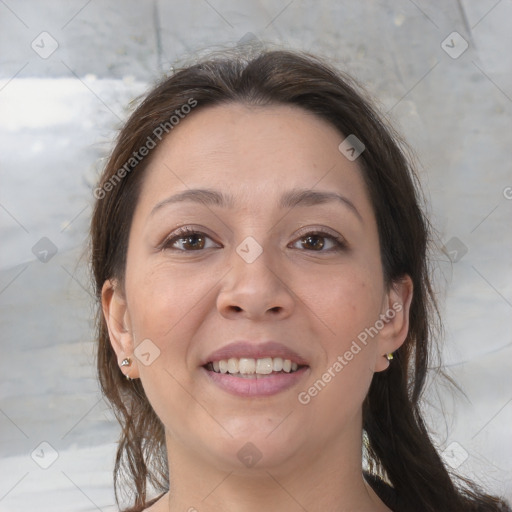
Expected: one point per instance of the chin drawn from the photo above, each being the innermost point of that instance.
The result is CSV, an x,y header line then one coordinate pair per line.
x,y
254,445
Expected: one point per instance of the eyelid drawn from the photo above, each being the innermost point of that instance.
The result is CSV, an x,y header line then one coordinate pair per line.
x,y
323,231
187,230
182,232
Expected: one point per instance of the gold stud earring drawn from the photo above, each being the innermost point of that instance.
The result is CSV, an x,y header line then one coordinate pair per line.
x,y
389,356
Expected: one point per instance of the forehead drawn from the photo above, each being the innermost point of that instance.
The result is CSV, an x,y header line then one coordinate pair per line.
x,y
252,153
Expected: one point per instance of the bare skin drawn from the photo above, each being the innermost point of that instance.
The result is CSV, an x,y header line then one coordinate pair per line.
x,y
191,294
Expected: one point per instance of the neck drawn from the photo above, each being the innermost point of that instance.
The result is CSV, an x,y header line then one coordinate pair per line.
x,y
329,479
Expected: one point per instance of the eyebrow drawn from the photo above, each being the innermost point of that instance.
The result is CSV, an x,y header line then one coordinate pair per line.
x,y
290,199
205,196
307,197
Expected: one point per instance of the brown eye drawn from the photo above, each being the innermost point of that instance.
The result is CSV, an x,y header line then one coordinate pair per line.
x,y
319,241
313,242
192,242
188,240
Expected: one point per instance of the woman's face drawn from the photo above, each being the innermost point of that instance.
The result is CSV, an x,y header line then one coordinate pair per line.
x,y
254,243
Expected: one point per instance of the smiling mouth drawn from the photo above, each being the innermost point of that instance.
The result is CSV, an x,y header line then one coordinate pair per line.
x,y
250,368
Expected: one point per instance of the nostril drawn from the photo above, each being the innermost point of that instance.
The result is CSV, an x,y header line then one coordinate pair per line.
x,y
236,308
275,309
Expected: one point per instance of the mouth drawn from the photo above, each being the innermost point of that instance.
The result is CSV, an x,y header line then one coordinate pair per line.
x,y
252,378
251,368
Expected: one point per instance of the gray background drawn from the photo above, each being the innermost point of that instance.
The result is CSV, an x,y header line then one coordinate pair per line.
x,y
58,115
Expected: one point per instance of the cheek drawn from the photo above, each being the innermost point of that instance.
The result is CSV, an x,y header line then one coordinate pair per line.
x,y
345,302
163,301
340,381
167,307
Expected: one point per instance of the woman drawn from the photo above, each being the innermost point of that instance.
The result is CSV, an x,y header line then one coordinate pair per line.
x,y
260,257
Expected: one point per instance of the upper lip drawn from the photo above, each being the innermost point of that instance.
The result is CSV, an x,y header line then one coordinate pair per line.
x,y
255,350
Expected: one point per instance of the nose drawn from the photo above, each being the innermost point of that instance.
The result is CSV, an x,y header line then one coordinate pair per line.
x,y
255,291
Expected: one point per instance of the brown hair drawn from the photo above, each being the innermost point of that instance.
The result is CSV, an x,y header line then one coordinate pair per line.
x,y
397,442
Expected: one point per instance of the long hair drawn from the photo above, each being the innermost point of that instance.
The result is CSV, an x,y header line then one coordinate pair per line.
x,y
398,446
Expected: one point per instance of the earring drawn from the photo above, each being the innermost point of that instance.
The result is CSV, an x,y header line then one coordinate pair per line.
x,y
126,362
389,356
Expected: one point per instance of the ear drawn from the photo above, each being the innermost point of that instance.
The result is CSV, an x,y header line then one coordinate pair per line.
x,y
395,317
117,317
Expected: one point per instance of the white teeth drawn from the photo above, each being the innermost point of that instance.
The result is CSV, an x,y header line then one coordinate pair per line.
x,y
264,366
277,364
232,365
248,366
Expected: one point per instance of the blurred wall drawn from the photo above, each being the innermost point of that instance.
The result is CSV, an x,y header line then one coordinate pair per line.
x,y
440,70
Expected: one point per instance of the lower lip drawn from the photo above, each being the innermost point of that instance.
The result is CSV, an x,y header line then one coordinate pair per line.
x,y
266,385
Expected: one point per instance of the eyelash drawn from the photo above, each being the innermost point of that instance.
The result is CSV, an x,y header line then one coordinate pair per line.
x,y
339,241
340,244
180,235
